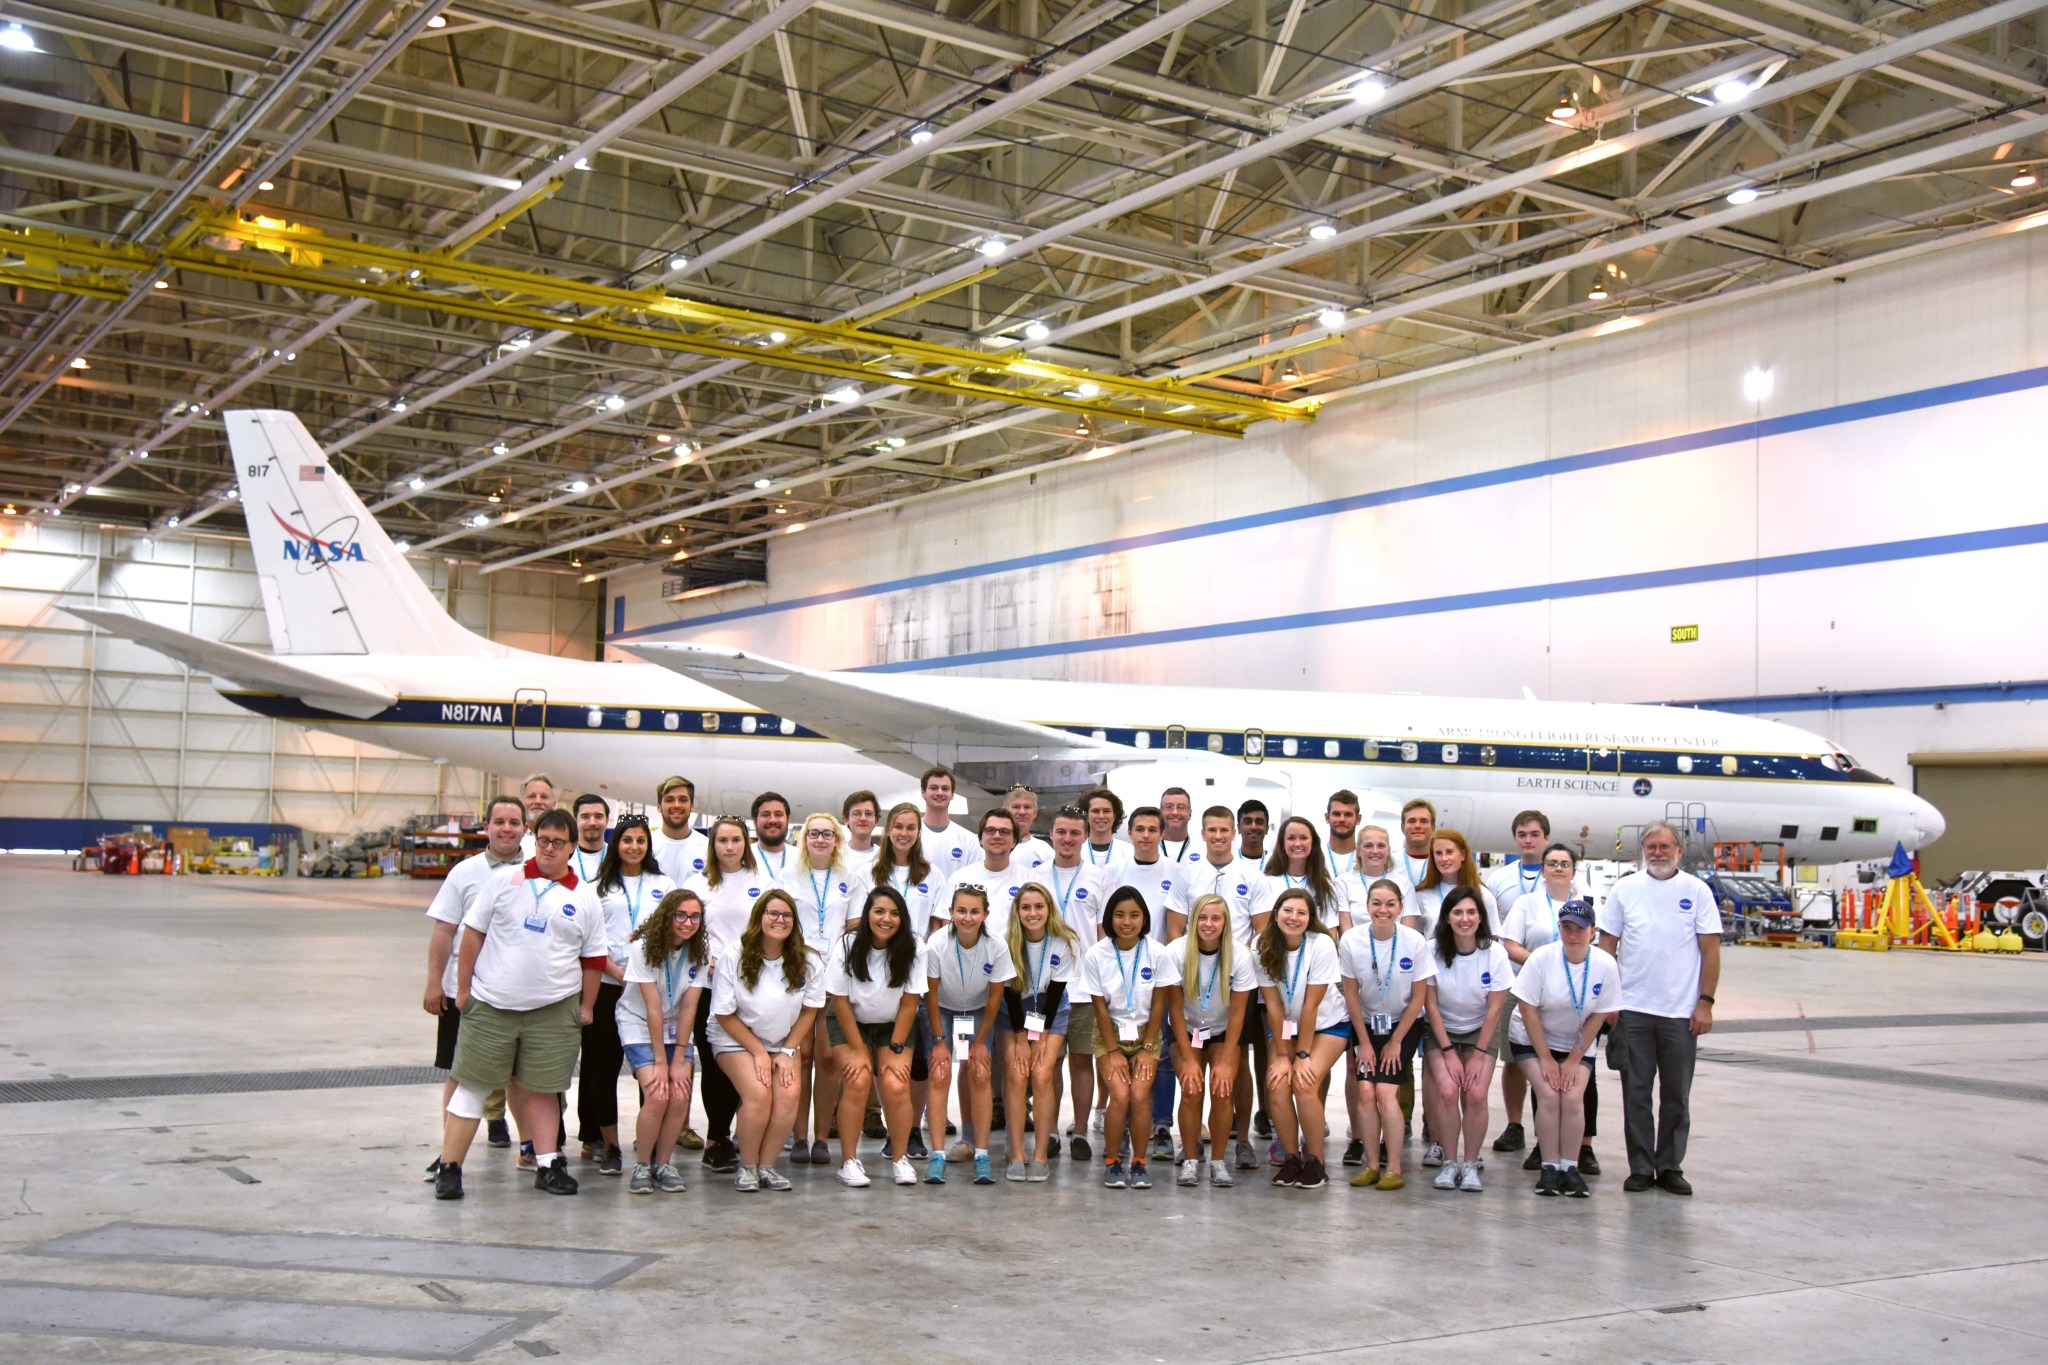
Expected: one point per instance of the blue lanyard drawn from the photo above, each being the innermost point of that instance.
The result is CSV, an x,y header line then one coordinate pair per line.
x,y
1300,957
1215,970
1331,854
1069,890
583,873
1130,980
1384,984
1555,906
818,890
668,971
537,888
1409,863
1527,882
1289,878
1180,857
782,868
1104,859
633,904
1578,992
960,959
1038,972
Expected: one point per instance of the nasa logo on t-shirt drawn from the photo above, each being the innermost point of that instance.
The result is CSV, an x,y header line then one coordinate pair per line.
x,y
1685,902
568,912
959,853
697,863
1486,978
1407,963
842,888
988,969
753,891
1242,889
1144,973
1597,985
923,887
1055,959
1080,893
1166,883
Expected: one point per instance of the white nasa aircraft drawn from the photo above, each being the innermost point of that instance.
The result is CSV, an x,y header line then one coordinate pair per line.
x,y
361,649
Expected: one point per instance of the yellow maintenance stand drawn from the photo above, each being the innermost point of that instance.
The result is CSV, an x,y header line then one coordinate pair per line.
x,y
1903,895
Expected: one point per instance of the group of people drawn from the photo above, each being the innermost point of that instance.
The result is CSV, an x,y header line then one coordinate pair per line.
x,y
1204,978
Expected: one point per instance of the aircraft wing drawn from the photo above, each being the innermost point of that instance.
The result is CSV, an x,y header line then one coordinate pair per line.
x,y
903,732
262,672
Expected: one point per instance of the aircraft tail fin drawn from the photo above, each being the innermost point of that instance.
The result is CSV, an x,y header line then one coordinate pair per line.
x,y
332,581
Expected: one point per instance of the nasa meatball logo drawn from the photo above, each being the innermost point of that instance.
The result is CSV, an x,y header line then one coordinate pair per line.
x,y
842,888
697,863
1597,985
1080,893
1642,786
568,912
1407,964
1144,973
1486,978
1685,903
753,891
1166,884
1242,888
988,969
959,853
1055,959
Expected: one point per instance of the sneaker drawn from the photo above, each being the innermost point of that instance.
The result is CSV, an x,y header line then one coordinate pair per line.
x,y
1079,1149
1433,1155
1220,1176
433,1169
1354,1152
1018,1171
1447,1178
745,1181
800,1154
959,1151
643,1179
1038,1172
902,1172
821,1155
1262,1126
554,1178
1674,1182
1551,1183
1162,1143
1534,1161
984,1169
526,1162
1636,1184
915,1148
1247,1159
1511,1139
1391,1180
668,1179
1141,1179
935,1169
691,1140
1097,1121
1053,1151
1113,1175
772,1179
498,1133
1366,1178
1274,1156
613,1162
1575,1184
953,1129
1588,1163
1313,1176
721,1156
448,1180
1190,1173
1289,1174
853,1174
1468,1178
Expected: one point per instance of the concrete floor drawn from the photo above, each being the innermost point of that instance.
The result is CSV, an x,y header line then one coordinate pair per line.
x,y
1845,1214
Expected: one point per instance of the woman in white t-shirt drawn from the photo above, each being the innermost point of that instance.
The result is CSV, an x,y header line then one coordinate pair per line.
x,y
667,969
1566,992
729,885
1383,961
874,982
825,891
900,862
1298,976
1216,984
1531,922
1464,1000
969,968
1450,864
629,885
1297,862
765,996
1129,979
1033,1025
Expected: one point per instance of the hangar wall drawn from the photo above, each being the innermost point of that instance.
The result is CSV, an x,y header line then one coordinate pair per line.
x,y
97,733
1864,553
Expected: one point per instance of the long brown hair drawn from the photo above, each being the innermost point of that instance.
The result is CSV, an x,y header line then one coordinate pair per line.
x,y
753,947
1314,870
920,869
713,873
1273,945
657,933
1468,875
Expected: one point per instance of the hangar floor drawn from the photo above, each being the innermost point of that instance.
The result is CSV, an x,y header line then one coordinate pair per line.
x,y
1866,1150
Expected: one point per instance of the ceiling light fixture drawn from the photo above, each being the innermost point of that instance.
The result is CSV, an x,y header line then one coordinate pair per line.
x,y
232,494
920,135
171,523
2025,180
1322,232
579,485
80,363
1330,319
777,338
992,247
1729,91
438,21
1369,89
480,520
662,438
15,38
1744,194
1758,384
582,163
402,546
141,454
398,405
764,483
1035,330
161,284
1598,293
416,483
895,443
845,393
613,402
678,261
501,449
266,186
1087,390
793,528
1567,106
667,539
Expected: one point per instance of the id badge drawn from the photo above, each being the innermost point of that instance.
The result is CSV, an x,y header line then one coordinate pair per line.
x,y
1198,1037
1034,1025
963,1036
1127,1031
668,1032
1381,1024
1288,1028
537,921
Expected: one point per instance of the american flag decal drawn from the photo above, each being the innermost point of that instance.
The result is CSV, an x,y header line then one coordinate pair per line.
x,y
312,473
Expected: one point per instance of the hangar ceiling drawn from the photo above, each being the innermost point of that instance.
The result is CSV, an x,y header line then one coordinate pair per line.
x,y
587,285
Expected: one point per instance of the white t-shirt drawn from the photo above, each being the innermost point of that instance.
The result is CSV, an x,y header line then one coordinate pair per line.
x,y
965,974
1387,972
1046,961
1533,920
457,892
1464,984
673,980
826,900
1405,869
949,849
874,1000
769,1008
679,858
1125,981
537,936
1205,998
1157,882
727,908
784,867
1232,881
1510,881
627,908
1001,887
926,899
1320,969
1266,890
1079,892
1188,850
1564,995
1428,902
1031,853
1658,924
1108,859
1339,864
585,864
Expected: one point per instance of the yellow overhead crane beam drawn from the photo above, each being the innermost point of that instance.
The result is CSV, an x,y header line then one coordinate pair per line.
x,y
288,256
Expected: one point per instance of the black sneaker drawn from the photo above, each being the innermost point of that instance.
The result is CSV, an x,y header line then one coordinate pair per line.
x,y
433,1169
1574,1184
1312,1176
1079,1149
1588,1163
1551,1182
554,1178
1674,1182
1262,1126
1289,1174
722,1156
915,1147
1354,1153
498,1133
1053,1152
448,1180
1511,1139
1534,1161
613,1162
953,1130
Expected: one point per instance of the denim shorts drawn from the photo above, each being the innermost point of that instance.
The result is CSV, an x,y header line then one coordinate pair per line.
x,y
642,1054
1056,1024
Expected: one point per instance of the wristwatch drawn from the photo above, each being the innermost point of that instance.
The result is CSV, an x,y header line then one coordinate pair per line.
x,y
1301,1056
898,1047
1708,998
787,1051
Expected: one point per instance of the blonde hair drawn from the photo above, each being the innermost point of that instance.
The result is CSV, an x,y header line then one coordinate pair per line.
x,y
1055,927
832,824
1191,956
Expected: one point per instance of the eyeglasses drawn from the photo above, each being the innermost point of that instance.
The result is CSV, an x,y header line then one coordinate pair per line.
x,y
1559,862
821,834
551,843
689,916
767,915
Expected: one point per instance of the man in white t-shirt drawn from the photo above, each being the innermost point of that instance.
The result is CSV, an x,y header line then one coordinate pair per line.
x,y
1104,810
1410,863
533,949
782,864
997,874
1031,850
859,813
1220,873
1510,881
1079,892
1340,819
1663,926
948,846
537,795
1179,840
1253,823
679,850
505,828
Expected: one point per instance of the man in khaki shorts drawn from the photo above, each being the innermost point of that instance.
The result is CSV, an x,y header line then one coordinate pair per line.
x,y
533,947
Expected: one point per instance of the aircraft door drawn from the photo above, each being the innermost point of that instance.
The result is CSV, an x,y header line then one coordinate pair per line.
x,y
529,718
1255,746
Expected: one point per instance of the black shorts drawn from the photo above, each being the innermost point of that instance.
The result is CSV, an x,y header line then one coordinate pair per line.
x,y
445,1029
1404,1072
1522,1052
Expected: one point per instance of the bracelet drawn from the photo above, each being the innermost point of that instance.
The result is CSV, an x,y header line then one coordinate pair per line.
x,y
1708,998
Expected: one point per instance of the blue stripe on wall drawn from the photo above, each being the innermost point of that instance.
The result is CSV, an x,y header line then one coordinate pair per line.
x,y
1768,566
36,832
1877,698
1915,401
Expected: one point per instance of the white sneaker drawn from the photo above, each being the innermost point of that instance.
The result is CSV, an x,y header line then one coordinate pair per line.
x,y
1097,1120
854,1174
747,1180
1446,1179
1220,1176
1190,1173
1433,1155
1469,1180
900,1170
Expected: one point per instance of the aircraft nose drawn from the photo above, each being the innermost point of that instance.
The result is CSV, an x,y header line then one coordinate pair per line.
x,y
1925,821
